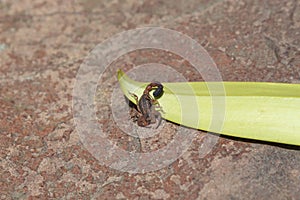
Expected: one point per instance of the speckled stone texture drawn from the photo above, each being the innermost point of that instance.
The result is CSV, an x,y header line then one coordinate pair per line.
x,y
43,43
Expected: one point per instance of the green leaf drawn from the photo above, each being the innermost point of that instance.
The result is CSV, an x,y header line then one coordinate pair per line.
x,y
254,110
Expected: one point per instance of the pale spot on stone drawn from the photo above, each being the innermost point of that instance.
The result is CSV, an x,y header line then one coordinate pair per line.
x,y
175,179
120,195
160,194
47,165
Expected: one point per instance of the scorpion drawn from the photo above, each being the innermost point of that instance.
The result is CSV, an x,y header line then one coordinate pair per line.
x,y
147,114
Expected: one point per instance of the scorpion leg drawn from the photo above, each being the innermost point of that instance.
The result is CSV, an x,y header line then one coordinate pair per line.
x,y
136,98
157,105
135,114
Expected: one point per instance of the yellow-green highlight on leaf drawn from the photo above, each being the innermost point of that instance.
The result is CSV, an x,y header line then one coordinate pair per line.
x,y
254,110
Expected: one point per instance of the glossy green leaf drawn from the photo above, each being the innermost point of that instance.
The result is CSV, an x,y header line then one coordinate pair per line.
x,y
254,110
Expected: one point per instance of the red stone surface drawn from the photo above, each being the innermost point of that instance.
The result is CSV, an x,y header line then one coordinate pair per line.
x,y
43,43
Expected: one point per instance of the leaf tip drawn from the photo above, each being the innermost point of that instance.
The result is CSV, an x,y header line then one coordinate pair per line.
x,y
120,73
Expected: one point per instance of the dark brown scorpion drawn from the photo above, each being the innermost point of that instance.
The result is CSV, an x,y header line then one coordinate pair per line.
x,y
147,114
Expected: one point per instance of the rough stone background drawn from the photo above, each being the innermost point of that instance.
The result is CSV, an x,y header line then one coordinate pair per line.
x,y
43,43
